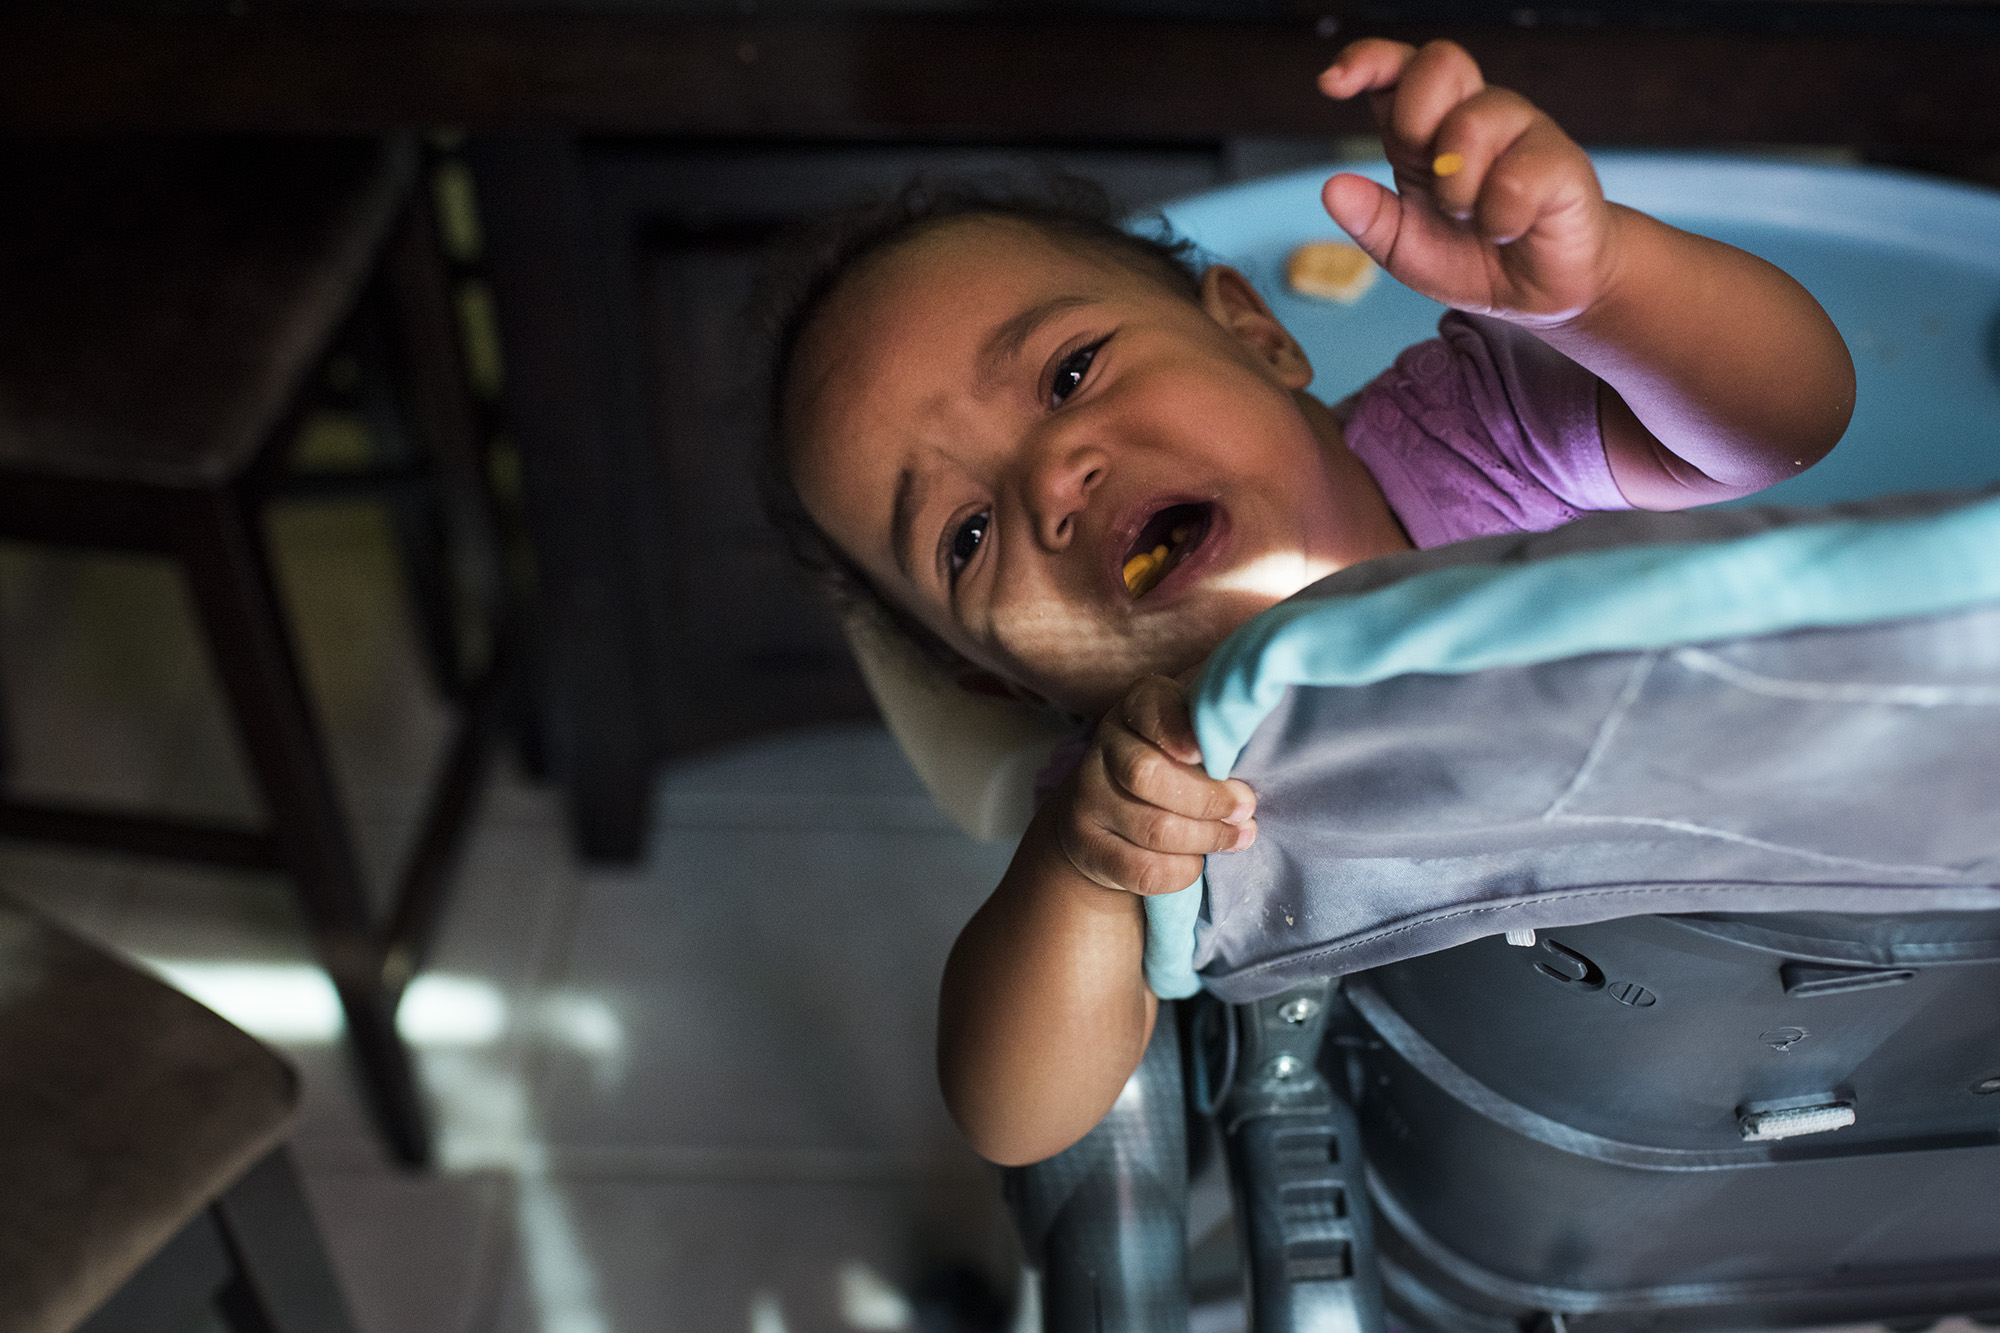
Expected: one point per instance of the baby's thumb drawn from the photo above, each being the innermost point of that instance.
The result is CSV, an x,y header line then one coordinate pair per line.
x,y
1156,709
1366,211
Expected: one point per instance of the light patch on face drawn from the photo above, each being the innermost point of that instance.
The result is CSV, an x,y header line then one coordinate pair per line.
x,y
1081,663
1276,576
1087,664
1060,635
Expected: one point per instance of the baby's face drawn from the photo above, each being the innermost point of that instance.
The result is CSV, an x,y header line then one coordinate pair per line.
x,y
1004,430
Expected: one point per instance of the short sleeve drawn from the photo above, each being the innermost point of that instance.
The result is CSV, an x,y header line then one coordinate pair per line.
x,y
1483,429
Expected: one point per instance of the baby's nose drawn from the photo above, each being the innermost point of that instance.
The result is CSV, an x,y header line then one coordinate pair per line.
x,y
1060,491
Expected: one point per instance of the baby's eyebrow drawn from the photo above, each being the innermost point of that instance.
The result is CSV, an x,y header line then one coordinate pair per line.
x,y
1004,343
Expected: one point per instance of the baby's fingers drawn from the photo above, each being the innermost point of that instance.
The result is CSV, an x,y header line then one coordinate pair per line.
x,y
1439,78
1142,773
1370,213
1468,142
1428,83
1108,860
1540,174
1140,766
1371,64
1126,844
1155,710
1153,828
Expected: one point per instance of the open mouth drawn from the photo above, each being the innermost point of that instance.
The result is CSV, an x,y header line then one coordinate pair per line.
x,y
1163,543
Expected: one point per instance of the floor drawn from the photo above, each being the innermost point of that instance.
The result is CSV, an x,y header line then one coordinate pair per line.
x,y
696,1094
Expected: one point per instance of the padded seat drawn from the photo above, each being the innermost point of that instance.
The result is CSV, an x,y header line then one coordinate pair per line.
x,y
126,1110
164,300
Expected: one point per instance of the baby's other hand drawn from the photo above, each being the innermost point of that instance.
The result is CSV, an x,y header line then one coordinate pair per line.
x,y
1140,812
1495,210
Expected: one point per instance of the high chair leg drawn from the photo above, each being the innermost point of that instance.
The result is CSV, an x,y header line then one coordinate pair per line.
x,y
1105,1221
1296,1175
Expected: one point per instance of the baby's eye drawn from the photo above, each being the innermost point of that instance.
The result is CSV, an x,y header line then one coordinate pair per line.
x,y
1070,372
965,542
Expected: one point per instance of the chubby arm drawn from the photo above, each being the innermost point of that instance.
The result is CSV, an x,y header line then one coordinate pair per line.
x,y
1044,1012
1702,345
1719,375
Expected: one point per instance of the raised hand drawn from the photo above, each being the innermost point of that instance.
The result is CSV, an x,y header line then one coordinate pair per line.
x,y
1495,209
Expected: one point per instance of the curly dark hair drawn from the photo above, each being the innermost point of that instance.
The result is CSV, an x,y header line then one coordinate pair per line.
x,y
817,260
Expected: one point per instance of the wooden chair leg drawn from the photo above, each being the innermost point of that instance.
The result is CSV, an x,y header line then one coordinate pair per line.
x,y
417,512
436,399
284,1282
6,739
230,581
174,1287
254,1257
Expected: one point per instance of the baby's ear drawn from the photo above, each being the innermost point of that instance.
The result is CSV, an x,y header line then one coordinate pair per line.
x,y
1232,302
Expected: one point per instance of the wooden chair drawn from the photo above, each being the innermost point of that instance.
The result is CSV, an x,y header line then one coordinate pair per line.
x,y
142,1170
165,305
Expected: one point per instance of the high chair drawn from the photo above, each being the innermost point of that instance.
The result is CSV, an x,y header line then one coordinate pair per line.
x,y
1727,1120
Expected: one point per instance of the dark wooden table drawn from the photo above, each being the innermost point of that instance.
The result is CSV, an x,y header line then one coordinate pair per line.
x,y
1868,73
631,165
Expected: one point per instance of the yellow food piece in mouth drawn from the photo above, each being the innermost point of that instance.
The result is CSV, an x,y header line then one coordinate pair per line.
x,y
1448,164
1330,270
1144,570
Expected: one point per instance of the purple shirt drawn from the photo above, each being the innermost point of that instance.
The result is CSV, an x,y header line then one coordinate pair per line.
x,y
1483,429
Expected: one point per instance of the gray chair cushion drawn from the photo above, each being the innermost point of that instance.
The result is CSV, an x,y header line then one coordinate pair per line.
x,y
1762,710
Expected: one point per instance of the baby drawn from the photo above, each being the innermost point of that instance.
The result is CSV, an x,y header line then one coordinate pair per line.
x,y
993,421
